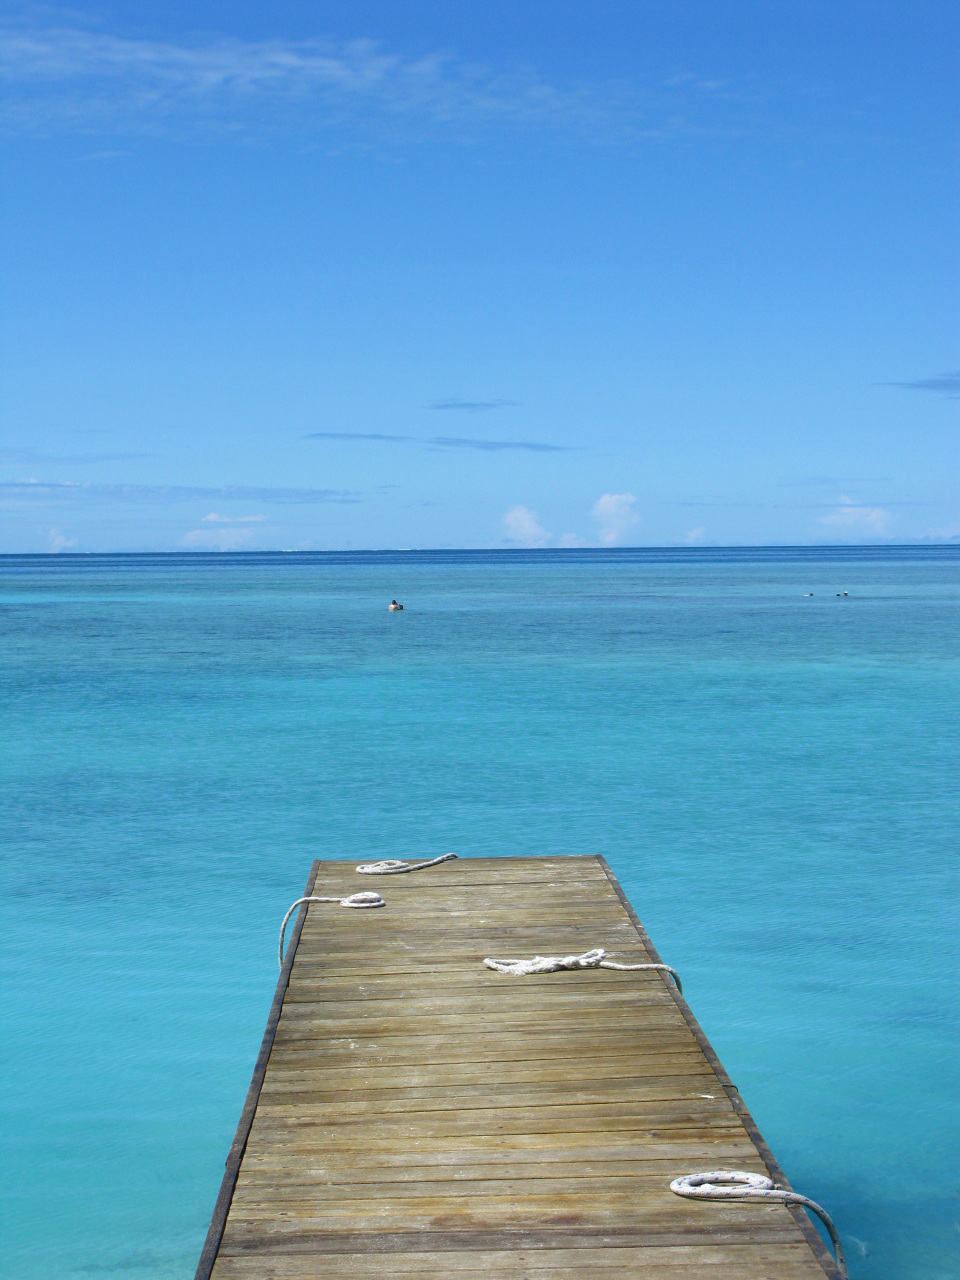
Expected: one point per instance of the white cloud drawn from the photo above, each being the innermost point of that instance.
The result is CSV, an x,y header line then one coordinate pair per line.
x,y
522,528
57,542
614,514
695,535
571,540
44,490
216,539
853,517
82,78
75,77
217,518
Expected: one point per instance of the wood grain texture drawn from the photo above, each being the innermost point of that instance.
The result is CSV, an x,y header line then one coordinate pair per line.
x,y
416,1114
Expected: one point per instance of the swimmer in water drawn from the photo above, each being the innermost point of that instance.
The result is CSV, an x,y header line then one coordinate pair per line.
x,y
393,606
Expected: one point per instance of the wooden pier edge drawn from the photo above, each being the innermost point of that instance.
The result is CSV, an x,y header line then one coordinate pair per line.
x,y
823,1254
211,1245
216,1232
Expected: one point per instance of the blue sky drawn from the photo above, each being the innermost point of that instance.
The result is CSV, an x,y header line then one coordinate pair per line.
x,y
391,275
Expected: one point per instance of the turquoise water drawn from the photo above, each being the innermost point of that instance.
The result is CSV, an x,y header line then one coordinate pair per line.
x,y
773,778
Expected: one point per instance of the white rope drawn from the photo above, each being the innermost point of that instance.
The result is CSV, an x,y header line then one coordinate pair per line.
x,y
394,867
729,1184
595,959
365,899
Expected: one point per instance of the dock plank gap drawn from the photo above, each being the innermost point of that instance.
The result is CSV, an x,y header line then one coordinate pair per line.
x,y
412,1113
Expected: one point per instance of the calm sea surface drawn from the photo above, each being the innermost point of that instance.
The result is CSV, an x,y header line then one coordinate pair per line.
x,y
775,780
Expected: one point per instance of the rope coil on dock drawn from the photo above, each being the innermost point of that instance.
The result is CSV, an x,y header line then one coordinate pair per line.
x,y
365,899
732,1184
395,867
595,959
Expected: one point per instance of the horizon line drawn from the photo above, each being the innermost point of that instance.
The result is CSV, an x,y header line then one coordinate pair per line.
x,y
918,544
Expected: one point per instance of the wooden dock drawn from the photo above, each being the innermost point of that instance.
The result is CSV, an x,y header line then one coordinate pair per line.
x,y
414,1114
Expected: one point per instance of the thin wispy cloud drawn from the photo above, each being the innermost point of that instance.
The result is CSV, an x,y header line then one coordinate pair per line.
x,y
69,75
495,446
445,442
844,501
217,517
814,481
69,491
949,534
945,384
856,502
719,502
474,406
353,435
857,518
230,538
33,458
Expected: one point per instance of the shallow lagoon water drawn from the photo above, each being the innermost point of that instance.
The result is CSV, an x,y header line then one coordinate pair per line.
x,y
772,777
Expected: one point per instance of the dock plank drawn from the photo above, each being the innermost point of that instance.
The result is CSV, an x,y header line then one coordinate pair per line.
x,y
414,1113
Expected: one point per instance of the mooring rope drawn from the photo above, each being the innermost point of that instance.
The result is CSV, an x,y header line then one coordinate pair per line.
x,y
729,1184
394,867
595,959
365,899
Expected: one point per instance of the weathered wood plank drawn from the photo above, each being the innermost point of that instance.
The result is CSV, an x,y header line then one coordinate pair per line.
x,y
590,1187
309,1024
730,1262
300,1069
440,1239
399,1049
458,976
517,1146
501,1213
355,1169
545,1001
623,1091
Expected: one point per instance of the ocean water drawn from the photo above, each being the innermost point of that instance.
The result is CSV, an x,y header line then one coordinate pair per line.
x,y
774,779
